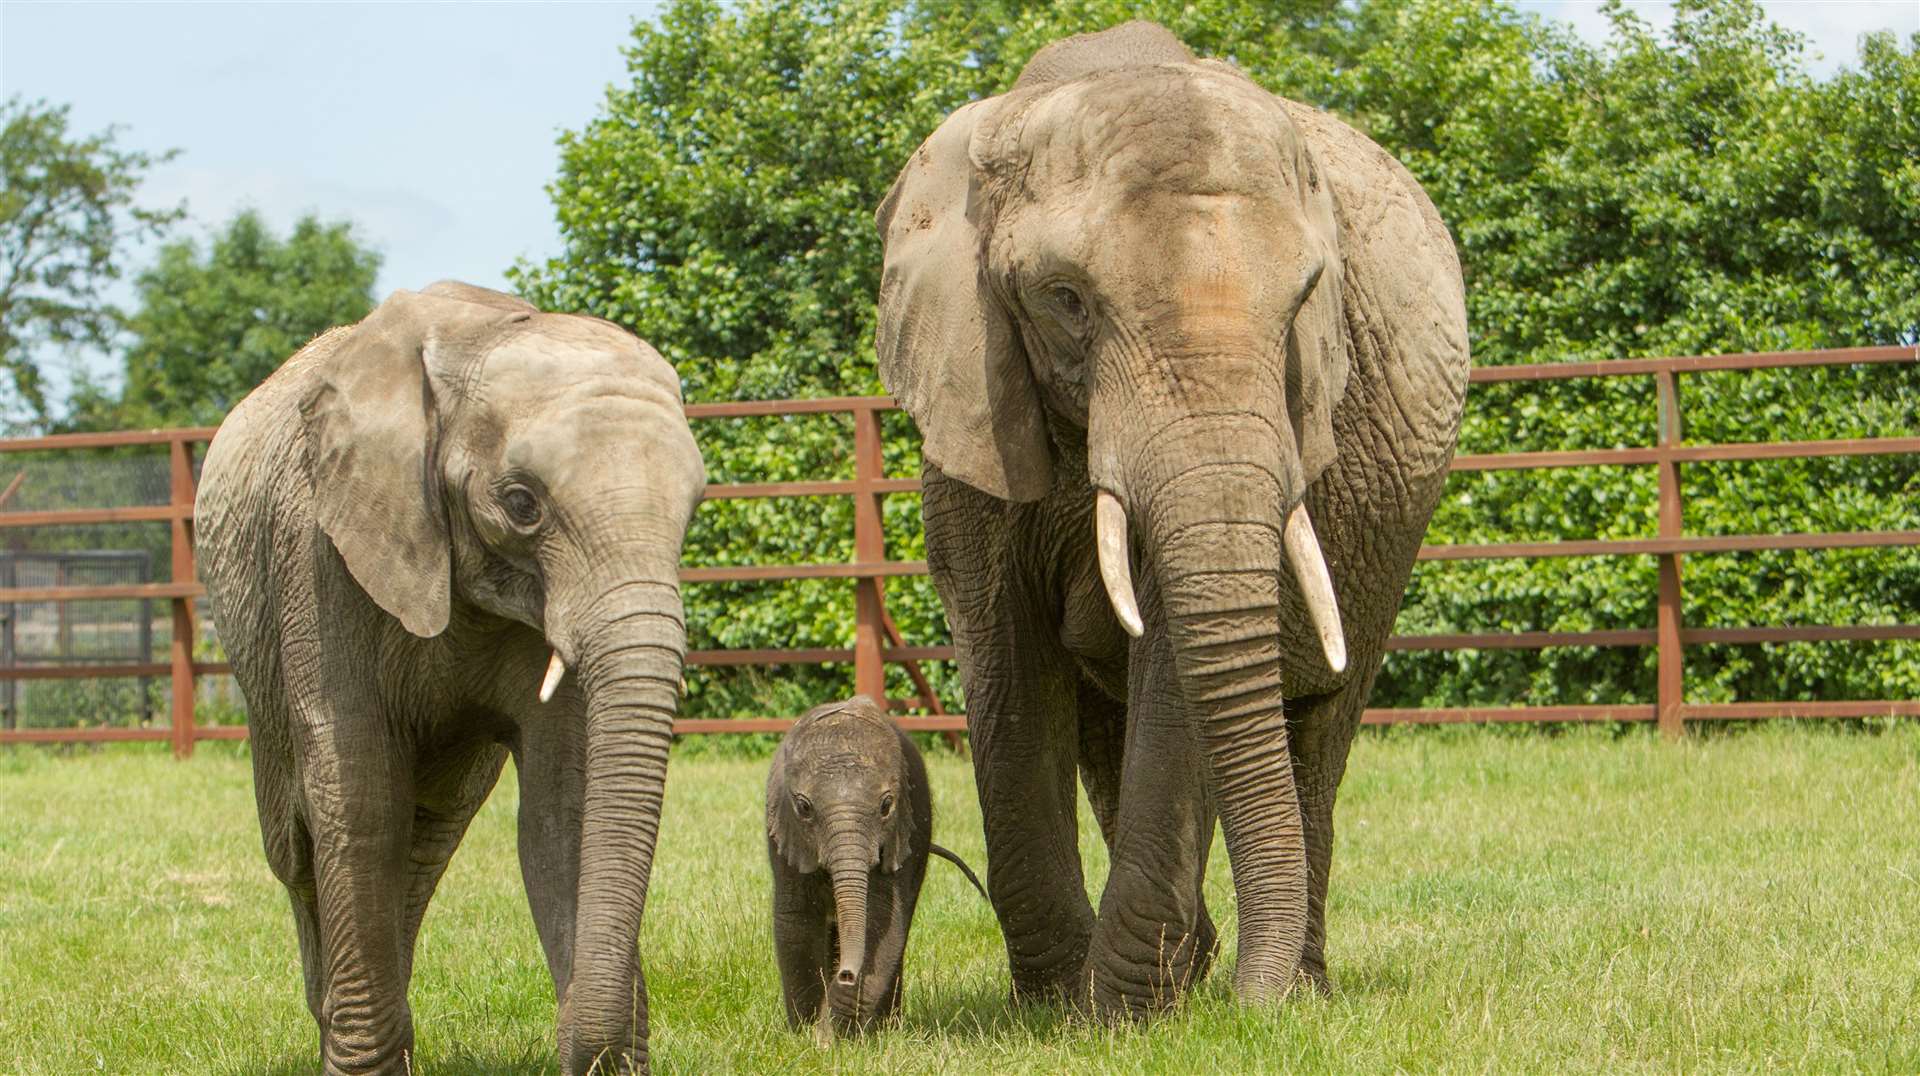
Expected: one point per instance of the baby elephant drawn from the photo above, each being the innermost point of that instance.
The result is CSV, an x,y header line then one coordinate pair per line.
x,y
848,832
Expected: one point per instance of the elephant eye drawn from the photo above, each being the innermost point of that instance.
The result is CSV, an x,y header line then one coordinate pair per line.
x,y
886,805
802,807
521,505
1069,302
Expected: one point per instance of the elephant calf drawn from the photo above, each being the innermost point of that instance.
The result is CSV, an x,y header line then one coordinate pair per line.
x,y
413,532
847,793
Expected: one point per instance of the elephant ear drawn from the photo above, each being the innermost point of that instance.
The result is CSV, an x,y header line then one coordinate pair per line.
x,y
898,850
788,836
1319,357
370,424
948,350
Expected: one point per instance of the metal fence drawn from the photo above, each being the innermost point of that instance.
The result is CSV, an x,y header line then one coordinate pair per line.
x,y
877,640
65,633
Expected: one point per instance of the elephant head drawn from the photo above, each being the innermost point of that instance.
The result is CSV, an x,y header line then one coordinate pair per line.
x,y
472,457
1149,253
837,799
1136,257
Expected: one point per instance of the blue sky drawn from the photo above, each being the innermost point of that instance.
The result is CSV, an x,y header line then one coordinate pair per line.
x,y
431,126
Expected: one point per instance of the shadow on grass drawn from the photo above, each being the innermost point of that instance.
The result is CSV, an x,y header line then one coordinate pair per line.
x,y
1385,979
453,1063
984,1012
981,1013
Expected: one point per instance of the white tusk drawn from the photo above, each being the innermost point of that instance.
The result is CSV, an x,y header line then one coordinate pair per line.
x,y
1316,586
555,670
1110,537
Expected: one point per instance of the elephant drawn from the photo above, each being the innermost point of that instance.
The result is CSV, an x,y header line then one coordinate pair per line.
x,y
849,828
412,533
1188,360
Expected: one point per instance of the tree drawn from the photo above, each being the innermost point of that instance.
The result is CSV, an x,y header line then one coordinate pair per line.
x,y
1686,193
67,213
209,327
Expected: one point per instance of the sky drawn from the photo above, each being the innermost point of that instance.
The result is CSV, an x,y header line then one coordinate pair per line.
x,y
431,126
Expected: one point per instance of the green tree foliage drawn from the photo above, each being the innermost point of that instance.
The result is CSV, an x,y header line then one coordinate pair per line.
x,y
211,325
1685,192
66,216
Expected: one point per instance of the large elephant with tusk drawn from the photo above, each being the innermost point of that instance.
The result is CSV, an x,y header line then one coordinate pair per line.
x,y
1189,362
441,536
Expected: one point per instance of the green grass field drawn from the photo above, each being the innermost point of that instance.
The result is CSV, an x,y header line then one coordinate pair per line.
x,y
1501,903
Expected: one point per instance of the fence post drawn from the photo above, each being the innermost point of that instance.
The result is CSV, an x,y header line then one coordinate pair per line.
x,y
180,464
869,547
1670,653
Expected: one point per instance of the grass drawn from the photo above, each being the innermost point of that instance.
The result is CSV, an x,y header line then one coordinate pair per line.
x,y
1501,902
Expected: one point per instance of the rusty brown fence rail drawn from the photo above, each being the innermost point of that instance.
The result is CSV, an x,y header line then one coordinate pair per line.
x,y
877,640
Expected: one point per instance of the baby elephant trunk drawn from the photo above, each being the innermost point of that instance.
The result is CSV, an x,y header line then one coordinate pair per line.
x,y
849,859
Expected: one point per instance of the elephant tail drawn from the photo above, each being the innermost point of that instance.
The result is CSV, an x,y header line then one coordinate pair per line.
x,y
958,862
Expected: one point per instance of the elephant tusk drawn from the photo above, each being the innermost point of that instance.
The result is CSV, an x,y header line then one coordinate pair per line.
x,y
1110,538
555,670
1316,586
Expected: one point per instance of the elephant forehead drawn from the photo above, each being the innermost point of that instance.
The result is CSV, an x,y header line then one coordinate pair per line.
x,y
846,741
602,431
843,777
1175,127
553,355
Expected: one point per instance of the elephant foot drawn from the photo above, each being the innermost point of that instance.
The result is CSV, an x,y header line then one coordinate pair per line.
x,y
1131,990
1314,977
1052,972
609,1063
584,1055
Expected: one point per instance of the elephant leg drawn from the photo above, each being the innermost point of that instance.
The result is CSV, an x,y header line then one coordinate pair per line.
x,y
1322,728
1149,944
289,850
550,758
1102,753
890,902
1103,737
359,807
1020,719
306,927
450,794
802,941
1021,688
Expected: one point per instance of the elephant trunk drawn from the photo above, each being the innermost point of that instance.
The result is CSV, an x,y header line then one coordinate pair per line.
x,y
849,858
629,654
1212,514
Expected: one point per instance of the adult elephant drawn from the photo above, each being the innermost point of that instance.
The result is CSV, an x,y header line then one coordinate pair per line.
x,y
401,529
1189,361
